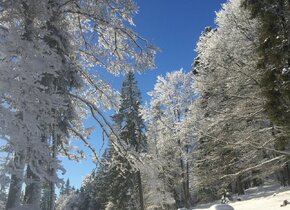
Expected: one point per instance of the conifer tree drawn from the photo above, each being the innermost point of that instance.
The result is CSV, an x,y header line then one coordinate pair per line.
x,y
274,50
94,192
131,128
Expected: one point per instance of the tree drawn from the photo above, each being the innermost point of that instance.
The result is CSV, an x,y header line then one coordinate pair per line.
x,y
47,51
231,119
130,126
156,192
274,60
169,106
45,202
3,196
94,191
68,201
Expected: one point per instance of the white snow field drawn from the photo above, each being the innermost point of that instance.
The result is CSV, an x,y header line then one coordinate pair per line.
x,y
261,198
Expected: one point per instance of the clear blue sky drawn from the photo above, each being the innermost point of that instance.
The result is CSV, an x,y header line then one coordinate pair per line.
x,y
172,25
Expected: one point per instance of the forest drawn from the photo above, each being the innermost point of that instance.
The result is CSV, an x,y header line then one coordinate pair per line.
x,y
223,125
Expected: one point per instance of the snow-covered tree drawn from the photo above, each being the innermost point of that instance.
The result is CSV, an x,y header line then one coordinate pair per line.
x,y
232,122
35,90
47,51
169,106
68,201
130,126
156,192
117,181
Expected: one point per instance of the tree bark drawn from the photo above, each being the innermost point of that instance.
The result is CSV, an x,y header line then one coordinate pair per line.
x,y
52,197
14,193
140,190
187,198
240,189
33,189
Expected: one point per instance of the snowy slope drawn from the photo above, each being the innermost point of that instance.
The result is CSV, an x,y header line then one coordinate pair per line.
x,y
262,198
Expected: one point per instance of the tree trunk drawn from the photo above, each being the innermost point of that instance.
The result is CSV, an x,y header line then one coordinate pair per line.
x,y
14,193
184,185
240,189
140,190
287,173
184,176
187,198
33,189
52,197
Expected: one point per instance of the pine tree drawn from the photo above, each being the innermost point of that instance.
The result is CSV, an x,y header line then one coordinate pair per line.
x,y
128,119
131,128
66,188
94,192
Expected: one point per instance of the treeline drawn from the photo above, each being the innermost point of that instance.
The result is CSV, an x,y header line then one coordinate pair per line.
x,y
225,125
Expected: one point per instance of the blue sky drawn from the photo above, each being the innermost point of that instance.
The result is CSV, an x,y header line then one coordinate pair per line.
x,y
172,25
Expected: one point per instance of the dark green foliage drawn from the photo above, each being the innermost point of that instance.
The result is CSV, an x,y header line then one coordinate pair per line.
x,y
274,49
115,181
128,120
95,192
122,184
65,188
125,187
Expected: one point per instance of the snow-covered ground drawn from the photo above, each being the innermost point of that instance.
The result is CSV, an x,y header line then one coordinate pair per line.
x,y
261,198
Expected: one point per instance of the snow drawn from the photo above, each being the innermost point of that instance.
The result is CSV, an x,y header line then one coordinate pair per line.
x,y
221,207
260,198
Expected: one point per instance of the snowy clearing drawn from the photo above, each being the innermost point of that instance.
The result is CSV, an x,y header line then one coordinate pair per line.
x,y
261,198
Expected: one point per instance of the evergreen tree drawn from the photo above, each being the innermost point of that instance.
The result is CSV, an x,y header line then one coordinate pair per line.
x,y
66,188
274,50
128,120
94,191
126,187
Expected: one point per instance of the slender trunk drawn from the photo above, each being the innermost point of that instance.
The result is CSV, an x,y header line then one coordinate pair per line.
x,y
240,189
33,189
188,200
140,190
184,185
284,175
14,193
184,195
52,196
287,174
